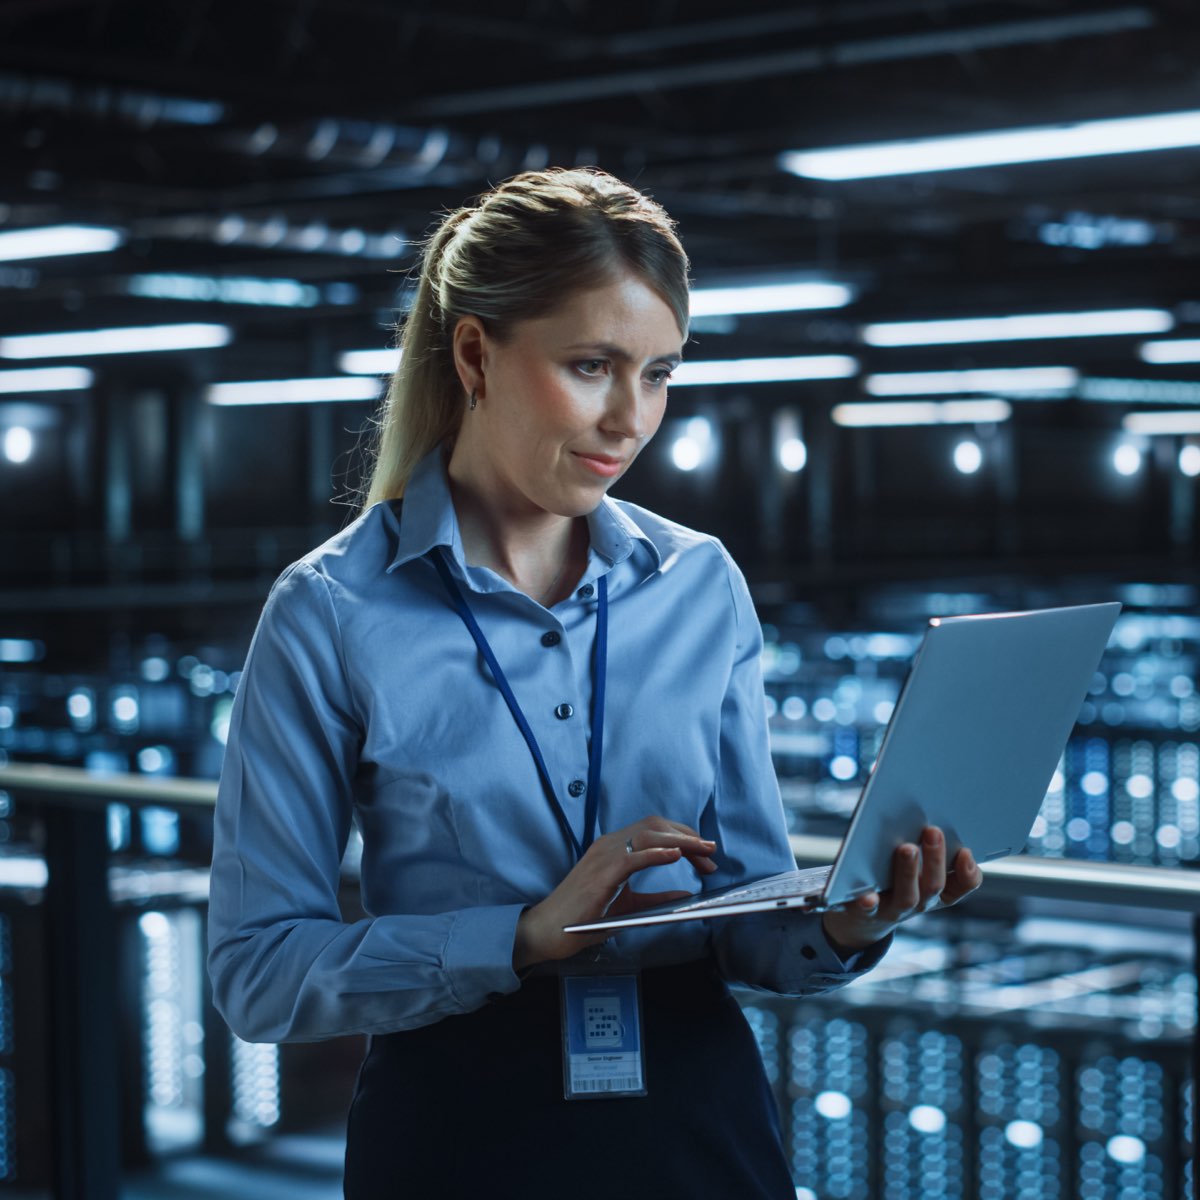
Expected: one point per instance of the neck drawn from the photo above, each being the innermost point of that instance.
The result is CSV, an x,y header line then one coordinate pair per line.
x,y
540,553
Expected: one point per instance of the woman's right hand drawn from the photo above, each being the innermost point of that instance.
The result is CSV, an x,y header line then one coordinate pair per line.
x,y
598,885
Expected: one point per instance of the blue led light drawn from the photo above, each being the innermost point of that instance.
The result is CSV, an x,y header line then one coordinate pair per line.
x,y
927,1118
160,831
1025,1135
833,1106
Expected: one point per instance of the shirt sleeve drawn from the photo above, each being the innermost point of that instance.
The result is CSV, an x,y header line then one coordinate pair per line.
x,y
283,963
785,952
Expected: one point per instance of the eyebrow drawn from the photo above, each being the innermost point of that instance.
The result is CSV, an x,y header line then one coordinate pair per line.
x,y
616,352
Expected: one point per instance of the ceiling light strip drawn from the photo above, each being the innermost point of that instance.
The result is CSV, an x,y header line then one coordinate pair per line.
x,y
295,391
369,362
1042,143
921,412
764,370
211,289
1140,391
1113,323
46,379
768,298
1162,423
1181,351
51,241
1029,381
137,339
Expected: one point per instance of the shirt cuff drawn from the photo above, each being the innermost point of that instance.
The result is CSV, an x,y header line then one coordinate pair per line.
x,y
855,961
478,956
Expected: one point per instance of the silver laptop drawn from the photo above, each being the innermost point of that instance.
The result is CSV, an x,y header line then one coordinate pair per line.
x,y
971,747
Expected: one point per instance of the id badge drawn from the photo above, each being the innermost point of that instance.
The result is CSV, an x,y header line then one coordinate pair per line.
x,y
602,1036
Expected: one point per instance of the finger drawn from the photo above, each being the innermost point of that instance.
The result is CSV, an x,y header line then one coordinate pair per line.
x,y
679,827
905,890
933,863
691,843
867,902
633,861
966,877
693,847
611,872
662,825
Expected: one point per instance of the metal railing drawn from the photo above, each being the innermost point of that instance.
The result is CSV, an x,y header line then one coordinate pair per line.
x,y
1021,876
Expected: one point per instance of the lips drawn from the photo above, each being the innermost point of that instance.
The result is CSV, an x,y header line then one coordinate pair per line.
x,y
605,465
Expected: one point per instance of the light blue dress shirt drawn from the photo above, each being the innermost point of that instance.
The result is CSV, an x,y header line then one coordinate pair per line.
x,y
365,699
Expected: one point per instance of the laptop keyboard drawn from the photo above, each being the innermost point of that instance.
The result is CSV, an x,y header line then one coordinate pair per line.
x,y
783,886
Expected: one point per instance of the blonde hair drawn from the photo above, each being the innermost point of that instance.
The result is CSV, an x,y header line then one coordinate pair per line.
x,y
512,256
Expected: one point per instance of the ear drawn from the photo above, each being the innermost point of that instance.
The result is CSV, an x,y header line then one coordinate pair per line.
x,y
470,354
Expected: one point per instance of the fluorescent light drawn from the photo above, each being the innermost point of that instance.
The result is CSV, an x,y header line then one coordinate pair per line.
x,y
686,453
1161,422
18,444
1005,380
46,379
793,455
768,297
294,391
217,289
20,650
764,370
276,233
968,456
790,449
1184,350
1127,459
1042,143
369,362
974,412
53,240
921,412
137,339
1089,231
1145,391
695,446
1018,328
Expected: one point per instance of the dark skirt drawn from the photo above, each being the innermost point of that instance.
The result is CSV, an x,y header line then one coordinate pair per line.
x,y
472,1106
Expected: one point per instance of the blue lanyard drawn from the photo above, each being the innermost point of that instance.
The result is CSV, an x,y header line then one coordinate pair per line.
x,y
599,673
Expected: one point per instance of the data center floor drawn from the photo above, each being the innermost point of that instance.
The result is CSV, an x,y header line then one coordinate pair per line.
x,y
288,1167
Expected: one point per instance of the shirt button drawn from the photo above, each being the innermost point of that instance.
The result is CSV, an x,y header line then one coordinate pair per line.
x,y
563,711
551,638
808,952
587,592
576,787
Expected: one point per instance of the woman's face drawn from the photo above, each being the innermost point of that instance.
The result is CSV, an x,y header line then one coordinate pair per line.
x,y
565,406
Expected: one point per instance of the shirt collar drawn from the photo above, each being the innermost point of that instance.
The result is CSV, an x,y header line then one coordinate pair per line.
x,y
429,520
614,534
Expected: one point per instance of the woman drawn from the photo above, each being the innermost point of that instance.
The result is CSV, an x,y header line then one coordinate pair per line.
x,y
528,695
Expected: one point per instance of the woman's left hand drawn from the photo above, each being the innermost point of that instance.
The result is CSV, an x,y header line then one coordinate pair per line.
x,y
919,883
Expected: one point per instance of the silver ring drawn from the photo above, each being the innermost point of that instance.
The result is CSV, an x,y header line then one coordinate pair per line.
x,y
629,845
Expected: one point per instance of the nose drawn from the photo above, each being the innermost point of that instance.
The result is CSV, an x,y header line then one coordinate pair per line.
x,y
626,414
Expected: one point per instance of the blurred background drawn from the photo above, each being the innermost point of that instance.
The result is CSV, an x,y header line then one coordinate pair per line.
x,y
945,358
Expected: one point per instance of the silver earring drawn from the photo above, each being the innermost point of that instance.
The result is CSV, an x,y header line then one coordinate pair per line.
x,y
473,400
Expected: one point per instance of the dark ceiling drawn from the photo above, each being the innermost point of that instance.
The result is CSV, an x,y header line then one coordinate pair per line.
x,y
315,141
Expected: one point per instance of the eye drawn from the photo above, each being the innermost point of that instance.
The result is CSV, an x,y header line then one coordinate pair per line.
x,y
660,375
591,366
